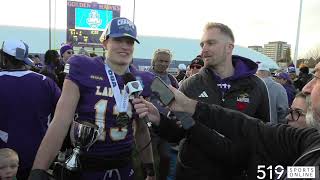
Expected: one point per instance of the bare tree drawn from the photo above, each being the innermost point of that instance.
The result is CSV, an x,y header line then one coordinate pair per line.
x,y
313,53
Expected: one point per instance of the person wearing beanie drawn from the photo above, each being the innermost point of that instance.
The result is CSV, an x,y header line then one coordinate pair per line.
x,y
66,51
285,80
196,64
193,68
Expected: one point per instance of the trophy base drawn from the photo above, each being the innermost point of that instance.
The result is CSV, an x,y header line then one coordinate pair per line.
x,y
60,172
73,162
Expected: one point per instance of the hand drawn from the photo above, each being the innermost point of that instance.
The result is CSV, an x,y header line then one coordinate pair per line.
x,y
181,102
145,108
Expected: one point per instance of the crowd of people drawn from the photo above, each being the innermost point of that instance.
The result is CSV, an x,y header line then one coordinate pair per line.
x,y
229,114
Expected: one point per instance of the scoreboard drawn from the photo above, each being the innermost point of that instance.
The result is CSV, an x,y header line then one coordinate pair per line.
x,y
87,21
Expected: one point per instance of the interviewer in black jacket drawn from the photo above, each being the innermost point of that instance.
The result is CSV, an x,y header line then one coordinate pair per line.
x,y
248,142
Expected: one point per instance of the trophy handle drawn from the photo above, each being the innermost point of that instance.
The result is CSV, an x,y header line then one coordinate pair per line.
x,y
97,134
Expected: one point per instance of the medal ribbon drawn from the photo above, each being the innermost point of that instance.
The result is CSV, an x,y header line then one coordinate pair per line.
x,y
122,101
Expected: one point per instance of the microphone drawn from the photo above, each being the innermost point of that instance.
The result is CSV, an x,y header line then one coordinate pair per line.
x,y
134,87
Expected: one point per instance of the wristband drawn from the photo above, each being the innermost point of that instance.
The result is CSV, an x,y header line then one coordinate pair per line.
x,y
148,168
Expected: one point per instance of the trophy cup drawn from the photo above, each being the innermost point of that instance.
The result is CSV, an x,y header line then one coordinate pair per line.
x,y
83,134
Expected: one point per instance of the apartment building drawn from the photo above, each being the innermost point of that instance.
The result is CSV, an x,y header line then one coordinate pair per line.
x,y
276,50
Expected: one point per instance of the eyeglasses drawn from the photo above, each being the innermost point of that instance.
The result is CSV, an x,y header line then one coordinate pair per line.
x,y
195,66
296,114
70,52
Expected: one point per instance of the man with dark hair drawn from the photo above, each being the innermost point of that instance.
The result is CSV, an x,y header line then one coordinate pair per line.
x,y
37,61
52,62
27,103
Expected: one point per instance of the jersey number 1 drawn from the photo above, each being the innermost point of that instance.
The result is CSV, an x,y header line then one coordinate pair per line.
x,y
116,134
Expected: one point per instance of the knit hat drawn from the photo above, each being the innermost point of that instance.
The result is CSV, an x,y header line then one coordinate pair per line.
x,y
197,61
65,48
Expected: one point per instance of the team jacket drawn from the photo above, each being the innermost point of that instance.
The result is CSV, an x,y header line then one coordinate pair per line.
x,y
247,93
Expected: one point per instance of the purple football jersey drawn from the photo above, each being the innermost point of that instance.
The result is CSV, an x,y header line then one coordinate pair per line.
x,y
97,104
27,103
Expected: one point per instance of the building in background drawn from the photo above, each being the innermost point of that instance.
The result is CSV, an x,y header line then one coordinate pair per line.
x,y
257,48
276,50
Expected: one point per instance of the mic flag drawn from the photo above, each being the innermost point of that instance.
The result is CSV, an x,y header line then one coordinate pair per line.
x,y
132,87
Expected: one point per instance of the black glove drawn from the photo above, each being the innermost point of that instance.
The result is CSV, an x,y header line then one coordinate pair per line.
x,y
38,174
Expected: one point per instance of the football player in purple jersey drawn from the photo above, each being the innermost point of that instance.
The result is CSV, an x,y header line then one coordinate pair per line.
x,y
88,93
27,103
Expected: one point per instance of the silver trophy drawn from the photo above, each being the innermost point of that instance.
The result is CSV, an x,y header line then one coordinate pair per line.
x,y
82,134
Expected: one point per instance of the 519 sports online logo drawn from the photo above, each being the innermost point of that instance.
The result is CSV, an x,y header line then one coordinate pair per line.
x,y
289,172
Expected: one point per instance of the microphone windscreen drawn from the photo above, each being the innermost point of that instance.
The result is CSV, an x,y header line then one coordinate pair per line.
x,y
128,77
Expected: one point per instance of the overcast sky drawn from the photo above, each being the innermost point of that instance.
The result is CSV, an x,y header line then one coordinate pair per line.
x,y
254,22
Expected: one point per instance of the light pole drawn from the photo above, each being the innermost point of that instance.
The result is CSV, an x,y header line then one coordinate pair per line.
x,y
134,10
295,57
49,24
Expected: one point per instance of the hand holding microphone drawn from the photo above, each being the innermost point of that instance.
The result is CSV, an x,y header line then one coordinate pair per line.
x,y
171,97
134,87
